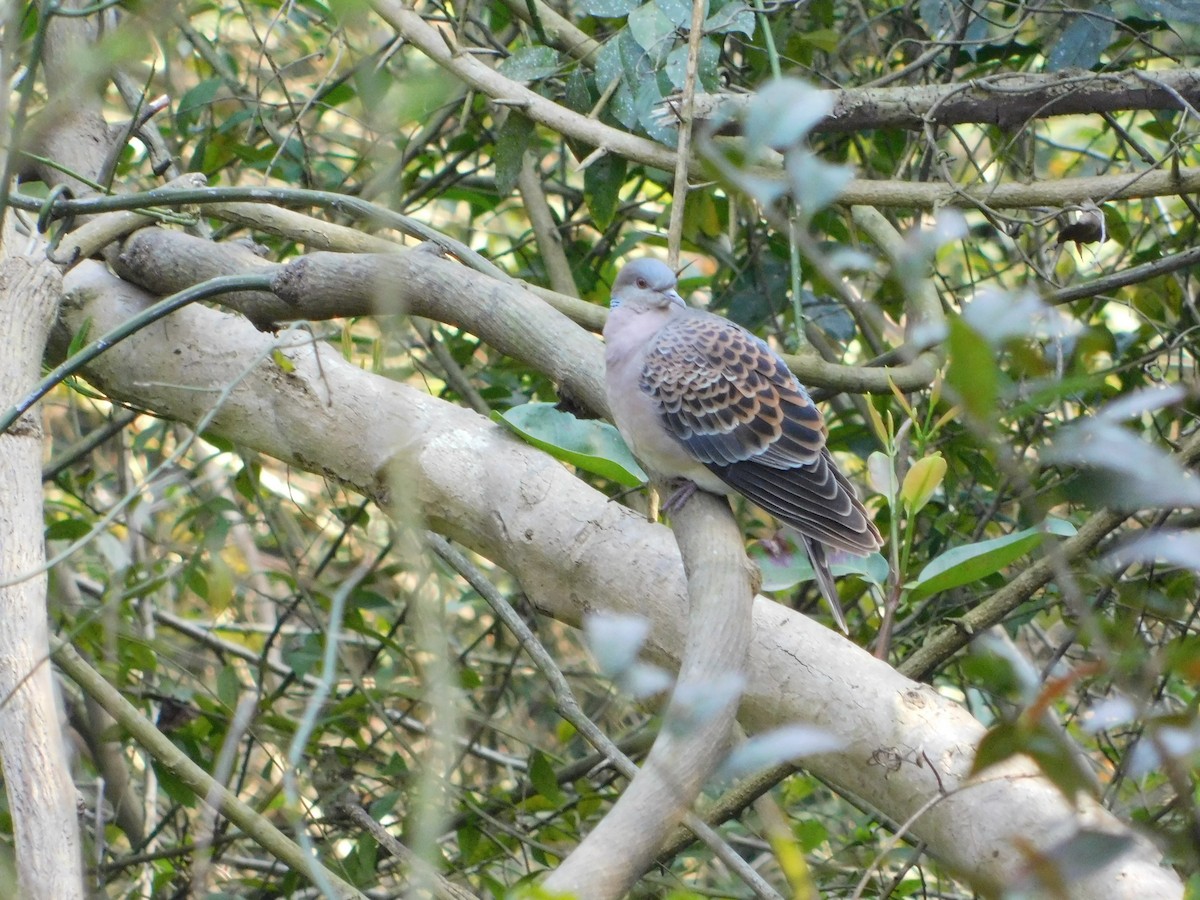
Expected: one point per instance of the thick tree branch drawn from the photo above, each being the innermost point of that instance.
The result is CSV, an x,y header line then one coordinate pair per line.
x,y
697,723
37,777
330,285
1007,99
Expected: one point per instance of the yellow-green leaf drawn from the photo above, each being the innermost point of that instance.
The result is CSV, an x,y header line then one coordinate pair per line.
x,y
922,480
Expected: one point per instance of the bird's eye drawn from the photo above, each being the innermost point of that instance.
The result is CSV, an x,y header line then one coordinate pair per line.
x,y
643,283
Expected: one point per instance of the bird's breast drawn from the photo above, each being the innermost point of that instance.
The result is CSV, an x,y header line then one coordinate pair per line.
x,y
639,419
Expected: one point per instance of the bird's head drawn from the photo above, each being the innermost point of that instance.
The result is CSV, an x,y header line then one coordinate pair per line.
x,y
645,284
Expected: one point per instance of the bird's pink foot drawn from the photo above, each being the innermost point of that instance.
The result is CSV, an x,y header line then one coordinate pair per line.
x,y
680,497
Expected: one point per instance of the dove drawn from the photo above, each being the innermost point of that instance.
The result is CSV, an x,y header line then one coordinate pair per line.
x,y
699,398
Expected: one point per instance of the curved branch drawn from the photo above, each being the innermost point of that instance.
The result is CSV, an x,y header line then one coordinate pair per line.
x,y
325,285
697,723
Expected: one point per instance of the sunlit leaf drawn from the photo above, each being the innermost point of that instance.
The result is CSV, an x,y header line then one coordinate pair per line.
x,y
1109,712
696,702
814,183
881,474
972,372
972,562
591,445
1137,403
1000,316
1174,744
921,481
643,680
281,360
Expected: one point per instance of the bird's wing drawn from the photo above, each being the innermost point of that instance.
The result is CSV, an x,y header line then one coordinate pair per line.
x,y
731,401
815,499
727,397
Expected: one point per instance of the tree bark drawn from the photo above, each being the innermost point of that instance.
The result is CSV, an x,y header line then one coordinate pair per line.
x,y
1007,99
690,746
41,795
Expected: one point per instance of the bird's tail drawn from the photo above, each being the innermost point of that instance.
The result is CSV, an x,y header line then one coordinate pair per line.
x,y
816,556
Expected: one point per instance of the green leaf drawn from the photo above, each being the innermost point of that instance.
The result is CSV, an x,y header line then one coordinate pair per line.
x,y
1172,10
592,445
1000,743
602,182
67,530
229,687
541,774
706,65
285,364
530,64
964,565
511,143
1052,752
881,474
1084,40
733,16
653,31
972,372
679,12
922,480
195,101
648,103
80,338
609,9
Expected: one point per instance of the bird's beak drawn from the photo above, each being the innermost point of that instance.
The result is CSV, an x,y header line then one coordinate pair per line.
x,y
673,296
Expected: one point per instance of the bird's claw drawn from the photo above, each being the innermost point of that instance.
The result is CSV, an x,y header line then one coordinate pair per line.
x,y
679,498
